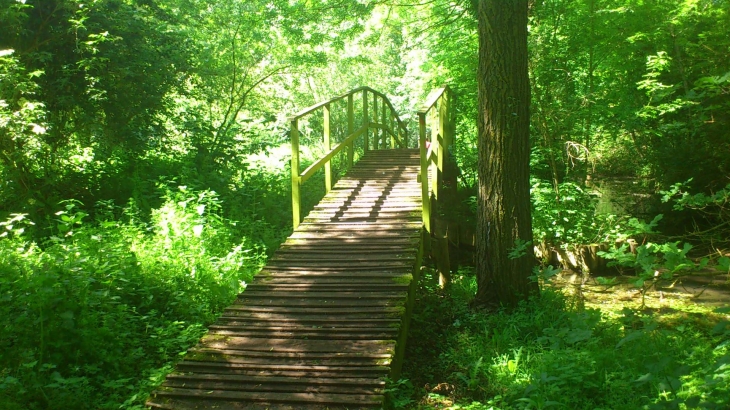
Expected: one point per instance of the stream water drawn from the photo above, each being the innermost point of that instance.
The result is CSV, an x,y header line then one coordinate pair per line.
x,y
625,196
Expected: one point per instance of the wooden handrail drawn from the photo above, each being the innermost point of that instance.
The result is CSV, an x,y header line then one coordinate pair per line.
x,y
439,104
320,163
389,123
433,98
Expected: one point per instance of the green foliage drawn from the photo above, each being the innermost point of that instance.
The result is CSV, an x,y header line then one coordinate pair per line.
x,y
652,262
542,275
567,217
162,128
638,85
398,393
94,316
549,353
520,249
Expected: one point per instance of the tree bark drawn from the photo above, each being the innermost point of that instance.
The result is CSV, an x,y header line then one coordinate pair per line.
x,y
504,154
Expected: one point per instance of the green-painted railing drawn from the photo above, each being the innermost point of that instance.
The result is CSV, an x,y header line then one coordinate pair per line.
x,y
435,126
377,113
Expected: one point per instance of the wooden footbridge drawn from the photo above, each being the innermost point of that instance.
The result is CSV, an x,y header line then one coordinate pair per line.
x,y
325,322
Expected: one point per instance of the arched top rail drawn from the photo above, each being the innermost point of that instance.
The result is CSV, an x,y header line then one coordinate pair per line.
x,y
433,98
322,104
374,119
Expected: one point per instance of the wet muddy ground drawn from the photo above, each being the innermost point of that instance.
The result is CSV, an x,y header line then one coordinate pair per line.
x,y
707,289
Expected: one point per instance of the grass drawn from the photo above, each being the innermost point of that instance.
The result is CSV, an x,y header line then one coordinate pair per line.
x,y
555,351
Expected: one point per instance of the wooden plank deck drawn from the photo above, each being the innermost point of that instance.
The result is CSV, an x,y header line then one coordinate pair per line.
x,y
318,327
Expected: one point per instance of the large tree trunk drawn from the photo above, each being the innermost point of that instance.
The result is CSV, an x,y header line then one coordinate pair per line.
x,y
504,154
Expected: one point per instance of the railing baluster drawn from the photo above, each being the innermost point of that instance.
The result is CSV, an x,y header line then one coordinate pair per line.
x,y
327,147
295,195
383,132
426,215
365,119
350,129
376,141
393,129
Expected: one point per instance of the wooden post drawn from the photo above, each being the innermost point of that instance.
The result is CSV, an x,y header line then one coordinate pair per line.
x,y
327,148
436,147
404,135
350,129
365,119
295,196
450,123
452,120
443,131
425,196
443,143
383,132
393,130
376,133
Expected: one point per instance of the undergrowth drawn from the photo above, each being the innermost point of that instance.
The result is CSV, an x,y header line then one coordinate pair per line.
x,y
94,316
550,353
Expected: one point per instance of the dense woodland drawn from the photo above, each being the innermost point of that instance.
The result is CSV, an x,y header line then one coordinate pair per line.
x,y
144,167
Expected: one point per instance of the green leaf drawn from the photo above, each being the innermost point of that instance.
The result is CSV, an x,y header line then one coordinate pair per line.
x,y
630,337
724,264
721,327
644,379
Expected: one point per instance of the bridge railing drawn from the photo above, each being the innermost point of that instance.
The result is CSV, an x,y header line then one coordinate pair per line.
x,y
435,136
376,114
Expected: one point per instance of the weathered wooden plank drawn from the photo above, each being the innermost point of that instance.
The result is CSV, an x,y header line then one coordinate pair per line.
x,y
354,270
289,322
310,294
335,399
277,355
320,302
301,361
171,403
342,286
279,380
312,333
282,370
348,243
298,345
384,311
376,277
212,386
